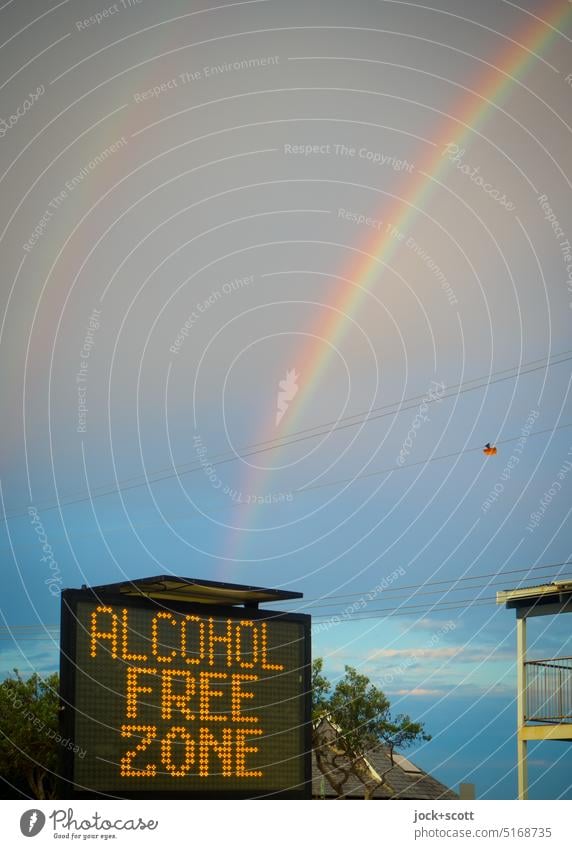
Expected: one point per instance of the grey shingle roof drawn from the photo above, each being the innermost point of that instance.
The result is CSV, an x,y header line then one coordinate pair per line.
x,y
407,785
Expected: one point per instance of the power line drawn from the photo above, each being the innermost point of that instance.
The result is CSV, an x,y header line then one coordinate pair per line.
x,y
444,605
443,592
500,574
458,604
425,461
364,475
51,633
366,415
308,433
399,612
7,629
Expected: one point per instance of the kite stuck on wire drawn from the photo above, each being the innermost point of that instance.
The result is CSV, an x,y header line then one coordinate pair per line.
x,y
489,450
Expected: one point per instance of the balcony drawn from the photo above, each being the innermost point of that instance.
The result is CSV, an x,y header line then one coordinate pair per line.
x,y
549,690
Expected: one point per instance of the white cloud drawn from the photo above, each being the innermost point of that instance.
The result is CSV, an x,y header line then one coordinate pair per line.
x,y
463,654
433,654
432,624
419,691
35,657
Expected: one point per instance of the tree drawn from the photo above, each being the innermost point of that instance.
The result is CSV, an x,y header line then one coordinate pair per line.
x,y
320,689
352,720
29,731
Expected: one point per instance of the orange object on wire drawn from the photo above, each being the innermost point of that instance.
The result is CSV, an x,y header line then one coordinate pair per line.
x,y
489,450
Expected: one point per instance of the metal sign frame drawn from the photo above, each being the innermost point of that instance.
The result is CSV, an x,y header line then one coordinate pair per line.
x,y
68,646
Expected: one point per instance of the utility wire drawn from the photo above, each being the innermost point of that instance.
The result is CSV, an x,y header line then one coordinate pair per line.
x,y
6,629
500,574
307,433
425,461
444,605
398,612
427,607
352,480
443,592
365,415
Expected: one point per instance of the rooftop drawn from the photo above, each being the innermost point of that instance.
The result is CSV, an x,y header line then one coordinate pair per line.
x,y
407,780
554,597
402,779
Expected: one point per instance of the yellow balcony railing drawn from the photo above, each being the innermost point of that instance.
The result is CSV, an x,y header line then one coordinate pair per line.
x,y
549,690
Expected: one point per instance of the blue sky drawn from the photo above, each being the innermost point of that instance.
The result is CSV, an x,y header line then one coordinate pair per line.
x,y
159,237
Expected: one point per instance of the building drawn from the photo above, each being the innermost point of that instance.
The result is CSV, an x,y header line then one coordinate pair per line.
x,y
402,779
544,686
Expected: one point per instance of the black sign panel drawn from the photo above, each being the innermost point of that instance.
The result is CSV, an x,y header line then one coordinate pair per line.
x,y
185,700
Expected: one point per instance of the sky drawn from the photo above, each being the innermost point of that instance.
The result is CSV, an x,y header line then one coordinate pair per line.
x,y
336,232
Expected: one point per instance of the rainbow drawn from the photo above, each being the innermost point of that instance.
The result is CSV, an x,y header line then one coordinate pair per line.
x,y
471,112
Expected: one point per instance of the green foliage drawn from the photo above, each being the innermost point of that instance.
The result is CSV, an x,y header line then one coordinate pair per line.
x,y
28,729
362,712
320,689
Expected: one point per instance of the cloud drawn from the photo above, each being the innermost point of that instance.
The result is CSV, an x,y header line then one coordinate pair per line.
x,y
35,657
430,624
450,691
432,654
419,691
490,655
462,654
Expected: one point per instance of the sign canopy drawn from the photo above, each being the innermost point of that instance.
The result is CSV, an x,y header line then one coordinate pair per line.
x,y
194,589
178,687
